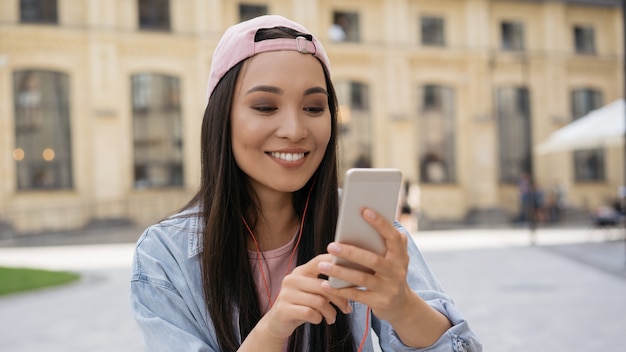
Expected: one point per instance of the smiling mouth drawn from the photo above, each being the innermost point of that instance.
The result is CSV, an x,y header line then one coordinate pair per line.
x,y
288,156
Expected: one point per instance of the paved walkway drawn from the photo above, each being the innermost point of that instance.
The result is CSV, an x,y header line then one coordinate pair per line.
x,y
565,292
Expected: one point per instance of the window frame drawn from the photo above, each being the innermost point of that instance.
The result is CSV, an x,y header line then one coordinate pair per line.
x,y
592,96
47,11
154,15
509,30
355,123
438,24
352,34
43,130
514,121
581,159
157,120
584,40
256,10
433,159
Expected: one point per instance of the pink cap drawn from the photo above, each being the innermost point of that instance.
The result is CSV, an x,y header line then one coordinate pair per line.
x,y
237,44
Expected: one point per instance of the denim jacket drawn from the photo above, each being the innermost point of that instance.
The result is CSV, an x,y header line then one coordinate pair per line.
x,y
167,297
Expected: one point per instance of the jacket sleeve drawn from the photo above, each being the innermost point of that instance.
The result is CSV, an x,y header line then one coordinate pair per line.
x,y
459,338
166,319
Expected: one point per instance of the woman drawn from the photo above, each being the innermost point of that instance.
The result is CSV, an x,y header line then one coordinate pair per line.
x,y
242,267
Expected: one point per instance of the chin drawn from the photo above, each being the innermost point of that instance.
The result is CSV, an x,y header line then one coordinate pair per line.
x,y
293,184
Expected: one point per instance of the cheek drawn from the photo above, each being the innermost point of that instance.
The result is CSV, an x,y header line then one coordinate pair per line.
x,y
239,138
324,133
247,136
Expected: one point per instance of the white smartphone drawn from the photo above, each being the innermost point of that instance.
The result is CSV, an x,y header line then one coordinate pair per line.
x,y
377,189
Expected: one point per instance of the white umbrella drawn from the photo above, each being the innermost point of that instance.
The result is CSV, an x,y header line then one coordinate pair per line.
x,y
600,128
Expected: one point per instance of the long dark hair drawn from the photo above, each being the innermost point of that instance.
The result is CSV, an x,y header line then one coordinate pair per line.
x,y
225,195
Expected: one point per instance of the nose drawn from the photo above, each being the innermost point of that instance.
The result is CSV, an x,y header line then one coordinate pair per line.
x,y
292,125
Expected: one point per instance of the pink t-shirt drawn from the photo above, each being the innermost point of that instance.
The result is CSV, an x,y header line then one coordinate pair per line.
x,y
274,264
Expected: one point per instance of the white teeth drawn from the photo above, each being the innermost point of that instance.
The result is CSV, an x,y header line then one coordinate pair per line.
x,y
288,156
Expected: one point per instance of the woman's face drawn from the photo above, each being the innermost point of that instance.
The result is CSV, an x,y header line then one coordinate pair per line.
x,y
281,122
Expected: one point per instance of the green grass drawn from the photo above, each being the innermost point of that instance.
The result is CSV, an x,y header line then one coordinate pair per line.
x,y
14,280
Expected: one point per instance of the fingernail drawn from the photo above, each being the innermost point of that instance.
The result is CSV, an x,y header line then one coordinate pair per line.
x,y
334,248
324,266
369,214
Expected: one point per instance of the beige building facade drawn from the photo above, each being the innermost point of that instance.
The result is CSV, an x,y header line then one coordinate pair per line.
x,y
103,99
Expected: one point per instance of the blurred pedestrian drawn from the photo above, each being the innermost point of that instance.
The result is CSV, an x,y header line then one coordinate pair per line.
x,y
524,189
242,267
554,202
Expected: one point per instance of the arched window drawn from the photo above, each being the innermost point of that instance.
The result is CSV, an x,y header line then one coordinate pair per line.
x,y
588,163
43,152
436,135
355,124
514,138
157,131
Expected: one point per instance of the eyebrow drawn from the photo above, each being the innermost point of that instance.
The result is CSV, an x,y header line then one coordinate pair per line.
x,y
268,89
316,90
276,90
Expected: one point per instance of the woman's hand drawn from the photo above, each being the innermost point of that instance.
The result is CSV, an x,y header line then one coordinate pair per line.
x,y
386,289
386,292
302,299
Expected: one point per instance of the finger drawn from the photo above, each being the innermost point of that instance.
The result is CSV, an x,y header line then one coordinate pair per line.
x,y
354,294
309,306
294,285
370,260
383,269
379,299
394,239
309,268
318,307
355,276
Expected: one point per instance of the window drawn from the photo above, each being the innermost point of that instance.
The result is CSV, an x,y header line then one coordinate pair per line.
x,y
345,27
584,100
154,15
247,12
432,31
514,138
157,131
355,125
588,164
512,36
43,152
584,40
38,11
436,135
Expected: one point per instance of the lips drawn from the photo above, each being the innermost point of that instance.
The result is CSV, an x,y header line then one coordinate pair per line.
x,y
288,156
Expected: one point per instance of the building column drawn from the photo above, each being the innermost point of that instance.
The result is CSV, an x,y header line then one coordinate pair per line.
x,y
480,119
109,141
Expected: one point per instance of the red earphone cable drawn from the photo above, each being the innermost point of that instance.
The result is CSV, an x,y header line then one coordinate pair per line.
x,y
258,260
265,283
367,329
306,207
293,252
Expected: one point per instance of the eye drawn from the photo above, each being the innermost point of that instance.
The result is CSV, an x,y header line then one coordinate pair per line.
x,y
314,110
315,107
264,109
